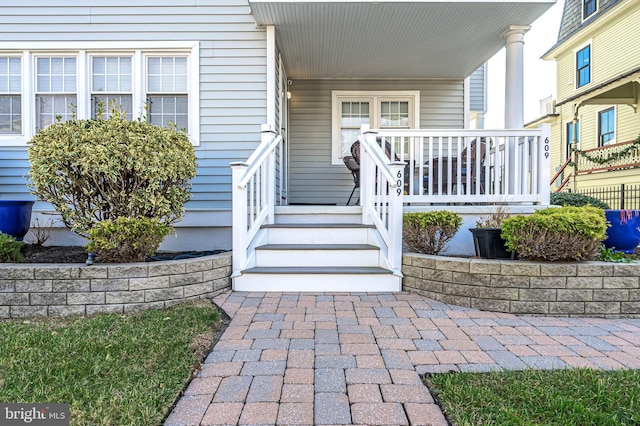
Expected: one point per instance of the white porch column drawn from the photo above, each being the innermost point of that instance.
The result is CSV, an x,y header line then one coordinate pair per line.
x,y
271,76
514,103
514,81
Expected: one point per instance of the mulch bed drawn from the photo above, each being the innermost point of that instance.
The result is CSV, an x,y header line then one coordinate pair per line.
x,y
35,253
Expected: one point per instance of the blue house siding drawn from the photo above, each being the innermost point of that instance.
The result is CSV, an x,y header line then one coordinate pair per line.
x,y
232,68
312,177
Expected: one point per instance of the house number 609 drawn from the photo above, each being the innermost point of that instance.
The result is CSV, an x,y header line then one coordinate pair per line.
x,y
546,147
399,183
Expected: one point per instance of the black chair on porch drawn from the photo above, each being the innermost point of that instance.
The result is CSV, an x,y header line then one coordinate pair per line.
x,y
354,168
353,164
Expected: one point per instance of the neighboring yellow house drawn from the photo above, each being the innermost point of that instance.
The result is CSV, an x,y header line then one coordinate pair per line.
x,y
598,86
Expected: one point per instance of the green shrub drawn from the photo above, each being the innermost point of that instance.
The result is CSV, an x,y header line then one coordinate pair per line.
x,y
556,233
10,249
576,200
125,239
96,170
608,254
429,232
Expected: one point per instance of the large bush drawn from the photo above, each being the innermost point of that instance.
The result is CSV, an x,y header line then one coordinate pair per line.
x,y
576,200
96,170
556,233
429,232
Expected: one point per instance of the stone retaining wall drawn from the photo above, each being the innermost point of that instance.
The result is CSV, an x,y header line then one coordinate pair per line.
x,y
594,289
45,290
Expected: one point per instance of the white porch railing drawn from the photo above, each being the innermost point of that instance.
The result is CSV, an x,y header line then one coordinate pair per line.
x,y
415,166
254,194
472,165
381,193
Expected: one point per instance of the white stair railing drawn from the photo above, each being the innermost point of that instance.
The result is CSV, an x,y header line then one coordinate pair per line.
x,y
253,194
381,194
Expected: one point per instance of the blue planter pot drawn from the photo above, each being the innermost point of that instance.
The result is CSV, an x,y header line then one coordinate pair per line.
x,y
623,235
15,217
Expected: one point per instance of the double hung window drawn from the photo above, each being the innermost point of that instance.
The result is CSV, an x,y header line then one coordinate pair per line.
x,y
44,85
167,90
606,126
10,95
589,7
583,66
56,96
111,85
573,128
379,110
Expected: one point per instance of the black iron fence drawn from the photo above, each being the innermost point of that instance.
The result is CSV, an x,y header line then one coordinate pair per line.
x,y
621,196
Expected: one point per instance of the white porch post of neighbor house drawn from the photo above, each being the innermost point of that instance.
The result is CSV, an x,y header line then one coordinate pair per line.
x,y
514,96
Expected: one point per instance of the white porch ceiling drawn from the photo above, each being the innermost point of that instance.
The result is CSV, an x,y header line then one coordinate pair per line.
x,y
391,39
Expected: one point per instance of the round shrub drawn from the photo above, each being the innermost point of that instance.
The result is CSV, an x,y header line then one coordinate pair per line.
x,y
10,249
576,200
556,233
429,232
125,239
96,170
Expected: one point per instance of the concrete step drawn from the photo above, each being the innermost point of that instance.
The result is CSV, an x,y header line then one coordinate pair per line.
x,y
318,255
317,279
318,214
324,233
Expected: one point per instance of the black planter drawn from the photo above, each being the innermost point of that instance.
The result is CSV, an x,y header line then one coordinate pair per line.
x,y
489,244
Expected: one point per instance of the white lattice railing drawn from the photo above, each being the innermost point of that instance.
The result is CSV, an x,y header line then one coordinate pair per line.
x,y
254,194
587,165
472,165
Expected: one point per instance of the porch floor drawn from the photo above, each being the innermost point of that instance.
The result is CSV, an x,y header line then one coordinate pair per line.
x,y
292,358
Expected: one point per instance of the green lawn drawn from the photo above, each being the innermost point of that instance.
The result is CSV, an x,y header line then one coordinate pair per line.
x,y
111,369
532,397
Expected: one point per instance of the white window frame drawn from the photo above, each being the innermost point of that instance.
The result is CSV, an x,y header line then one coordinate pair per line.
x,y
374,97
594,12
90,73
567,142
84,51
589,44
614,140
32,97
22,84
147,92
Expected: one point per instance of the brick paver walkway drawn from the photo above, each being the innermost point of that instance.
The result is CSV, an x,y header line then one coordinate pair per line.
x,y
339,359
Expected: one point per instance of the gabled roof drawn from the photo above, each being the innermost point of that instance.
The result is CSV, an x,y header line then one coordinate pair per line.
x,y
572,16
391,38
572,22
